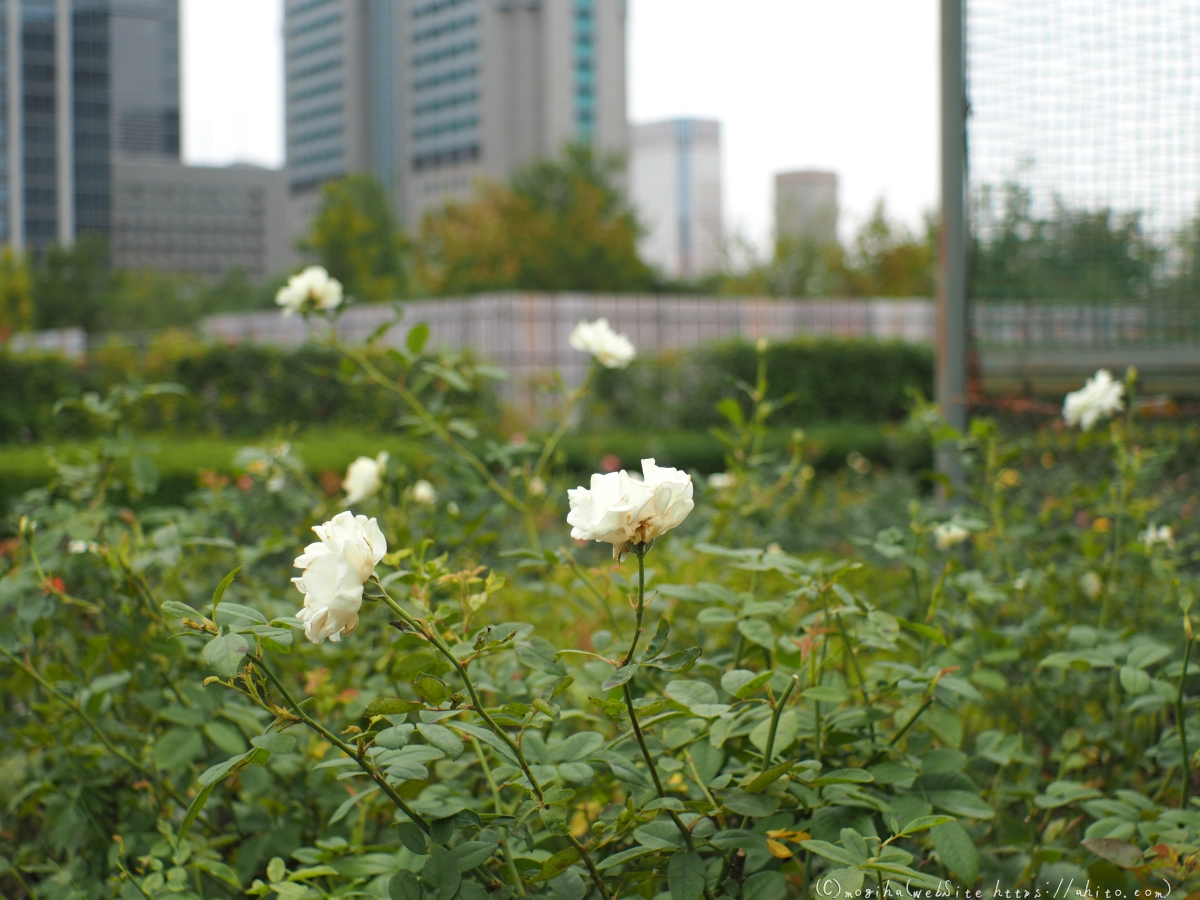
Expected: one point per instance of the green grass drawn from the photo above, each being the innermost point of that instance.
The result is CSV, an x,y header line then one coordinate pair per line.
x,y
180,459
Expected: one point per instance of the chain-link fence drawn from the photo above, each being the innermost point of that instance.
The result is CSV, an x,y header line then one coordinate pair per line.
x,y
1083,149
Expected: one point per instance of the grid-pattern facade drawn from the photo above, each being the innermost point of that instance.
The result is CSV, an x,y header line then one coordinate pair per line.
x,y
82,82
430,95
199,220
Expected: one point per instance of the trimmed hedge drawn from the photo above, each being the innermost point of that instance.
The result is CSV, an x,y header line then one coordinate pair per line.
x,y
828,380
242,391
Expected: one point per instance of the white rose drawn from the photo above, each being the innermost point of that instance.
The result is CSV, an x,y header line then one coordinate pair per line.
x,y
77,546
335,571
364,478
537,487
720,480
948,535
1161,535
310,289
423,493
612,350
619,510
1099,398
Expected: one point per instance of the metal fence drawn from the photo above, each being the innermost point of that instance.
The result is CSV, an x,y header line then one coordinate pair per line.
x,y
1083,160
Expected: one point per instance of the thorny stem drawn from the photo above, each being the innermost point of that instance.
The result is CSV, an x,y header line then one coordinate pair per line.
x,y
899,734
576,395
350,751
768,750
509,864
640,550
591,586
434,638
1185,763
91,724
436,427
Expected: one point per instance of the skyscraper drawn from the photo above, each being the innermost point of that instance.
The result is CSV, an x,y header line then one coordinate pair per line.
x,y
806,206
429,95
675,185
86,82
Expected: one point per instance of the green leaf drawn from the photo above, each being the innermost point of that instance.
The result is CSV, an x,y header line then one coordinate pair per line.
x,y
348,804
698,696
391,706
838,883
1119,853
557,864
925,631
412,837
961,803
224,654
741,683
226,736
440,877
765,886
758,632
956,849
619,677
555,819
145,474
182,610
685,875
659,641
431,688
177,748
220,591
825,694
474,853
442,738
678,662
239,611
416,338
765,779
832,851
1134,681
921,823
754,805
404,886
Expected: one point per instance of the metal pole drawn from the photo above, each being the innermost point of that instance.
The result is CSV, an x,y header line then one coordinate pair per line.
x,y
951,325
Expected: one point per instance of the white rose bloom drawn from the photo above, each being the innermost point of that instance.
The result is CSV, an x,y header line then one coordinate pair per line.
x,y
621,511
612,350
948,535
537,487
310,289
721,480
335,571
1091,585
364,477
1160,535
1099,398
423,492
77,547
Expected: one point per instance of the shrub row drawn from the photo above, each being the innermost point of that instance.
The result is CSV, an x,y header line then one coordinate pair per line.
x,y
247,390
825,380
241,391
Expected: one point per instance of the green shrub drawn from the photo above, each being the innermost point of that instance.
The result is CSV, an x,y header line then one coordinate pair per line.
x,y
826,380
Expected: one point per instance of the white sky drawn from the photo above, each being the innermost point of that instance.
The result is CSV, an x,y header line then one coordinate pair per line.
x,y
847,85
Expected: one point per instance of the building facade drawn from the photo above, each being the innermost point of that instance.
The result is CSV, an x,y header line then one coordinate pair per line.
x,y
198,219
86,83
675,186
430,95
806,206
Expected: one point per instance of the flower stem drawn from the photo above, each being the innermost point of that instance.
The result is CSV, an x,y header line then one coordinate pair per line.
x,y
640,550
509,864
878,755
576,395
376,776
779,705
1180,724
591,586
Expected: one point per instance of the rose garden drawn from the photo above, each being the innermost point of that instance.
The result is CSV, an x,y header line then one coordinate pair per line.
x,y
482,680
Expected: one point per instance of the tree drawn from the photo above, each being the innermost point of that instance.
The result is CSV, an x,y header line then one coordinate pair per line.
x,y
354,237
888,260
558,225
73,285
16,301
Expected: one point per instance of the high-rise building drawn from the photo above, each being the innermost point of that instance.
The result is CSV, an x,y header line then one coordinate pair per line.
x,y
429,95
806,206
675,185
85,83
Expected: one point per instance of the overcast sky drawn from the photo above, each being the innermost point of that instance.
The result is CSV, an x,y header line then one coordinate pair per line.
x,y
849,85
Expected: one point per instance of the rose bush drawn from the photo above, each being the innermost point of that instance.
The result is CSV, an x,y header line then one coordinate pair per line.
x,y
794,692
